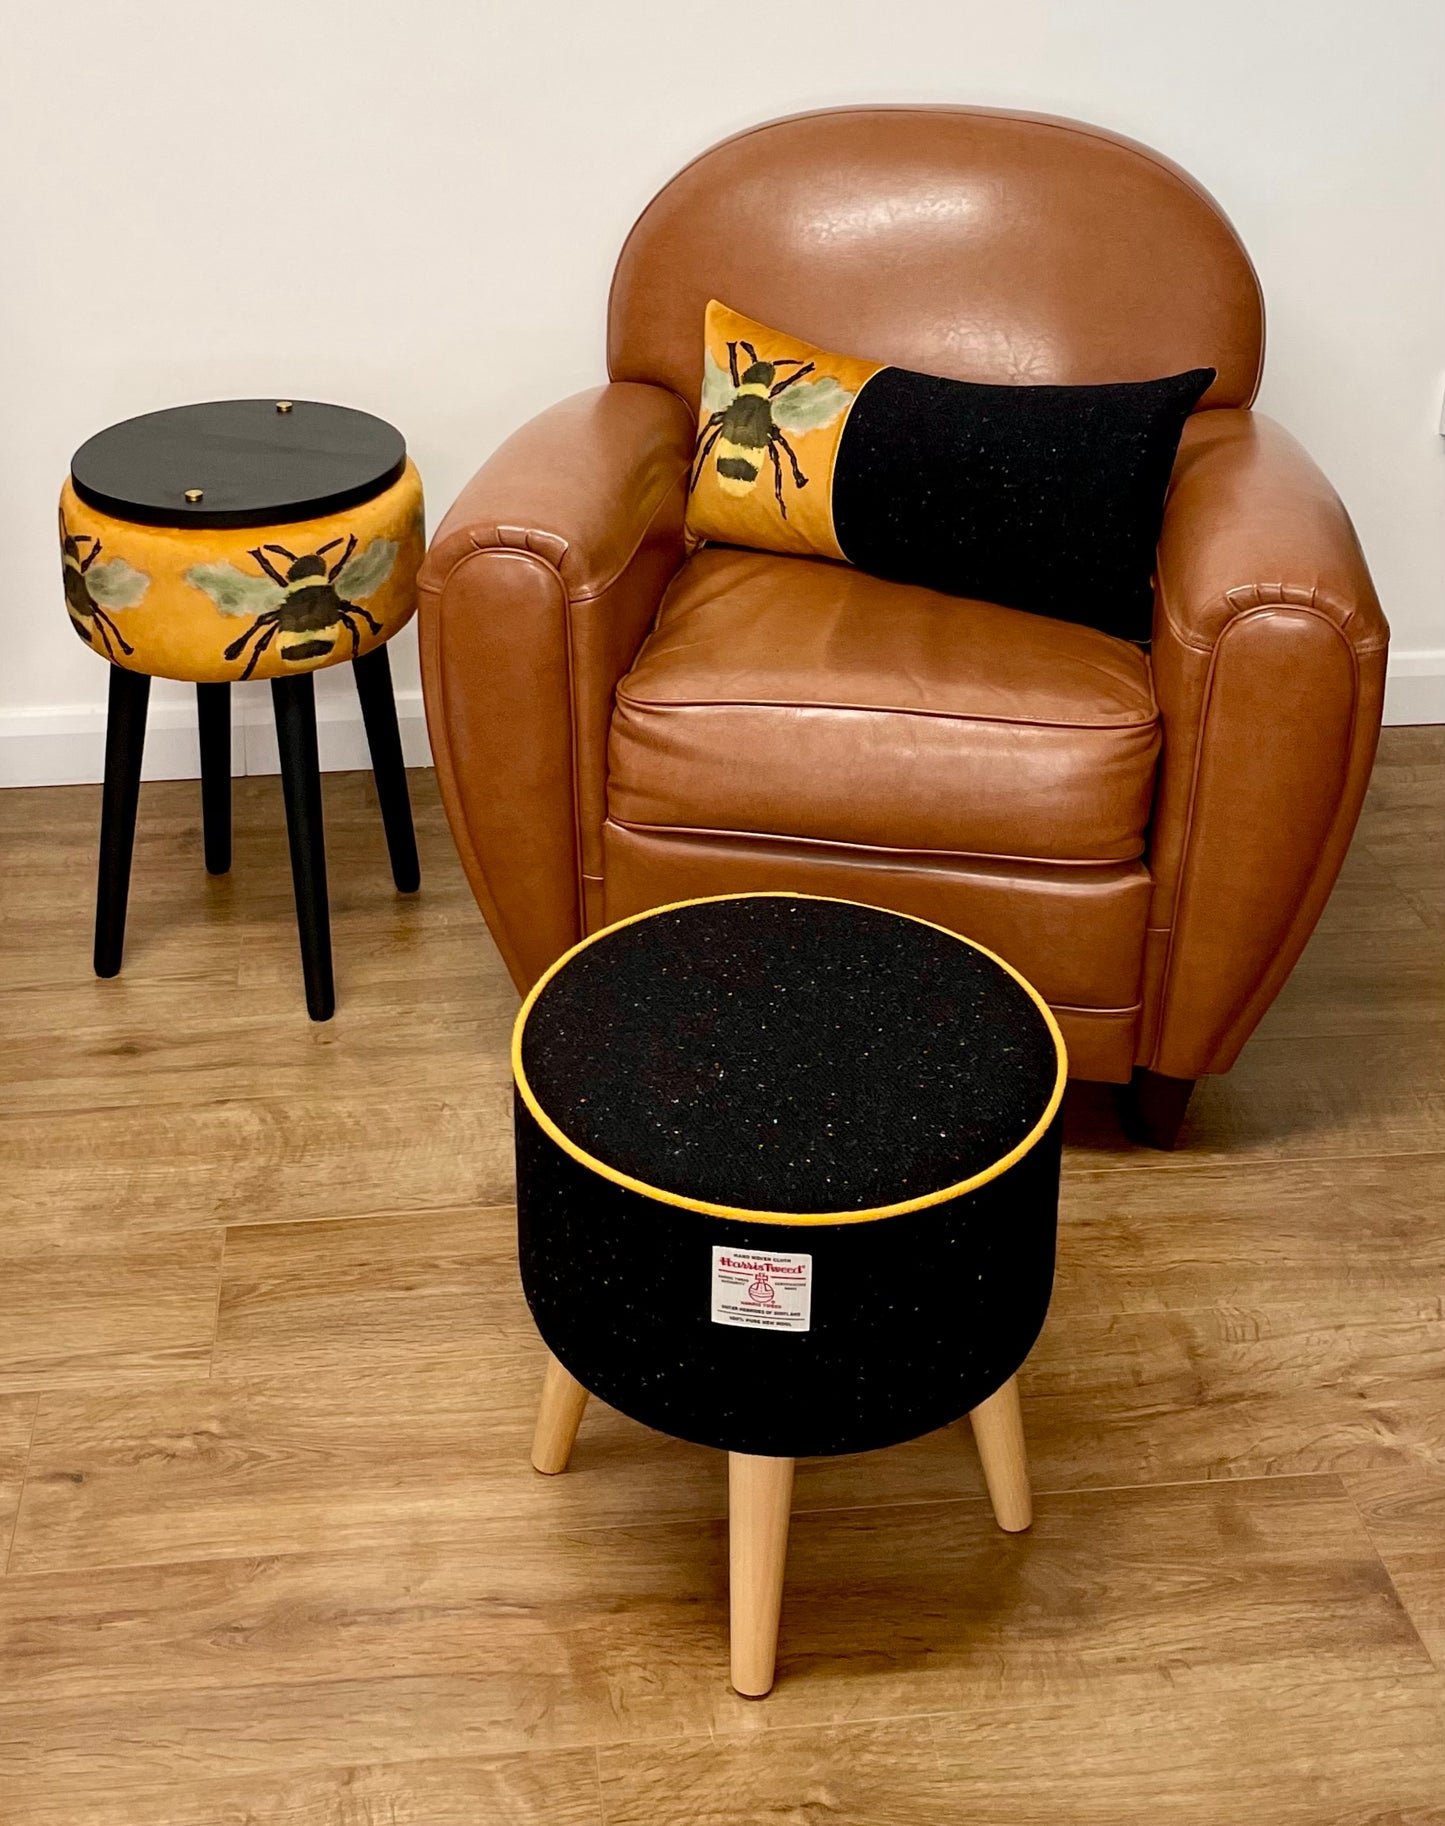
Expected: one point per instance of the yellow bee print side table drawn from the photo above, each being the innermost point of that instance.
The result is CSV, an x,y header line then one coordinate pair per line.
x,y
245,539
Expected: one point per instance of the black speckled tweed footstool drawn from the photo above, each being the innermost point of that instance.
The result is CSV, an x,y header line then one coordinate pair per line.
x,y
787,1185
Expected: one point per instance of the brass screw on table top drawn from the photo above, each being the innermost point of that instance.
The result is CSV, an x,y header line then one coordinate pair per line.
x,y
283,405
193,495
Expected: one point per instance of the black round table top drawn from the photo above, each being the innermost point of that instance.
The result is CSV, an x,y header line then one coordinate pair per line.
x,y
781,1052
245,462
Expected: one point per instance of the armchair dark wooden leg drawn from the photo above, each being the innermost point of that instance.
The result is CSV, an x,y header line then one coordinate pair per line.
x,y
125,734
383,738
213,715
1152,1107
294,700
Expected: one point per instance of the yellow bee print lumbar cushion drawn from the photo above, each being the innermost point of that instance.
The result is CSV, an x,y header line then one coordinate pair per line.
x,y
1047,498
772,418
215,604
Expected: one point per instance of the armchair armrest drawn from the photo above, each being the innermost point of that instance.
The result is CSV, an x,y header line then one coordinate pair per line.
x,y
538,589
1252,523
1269,665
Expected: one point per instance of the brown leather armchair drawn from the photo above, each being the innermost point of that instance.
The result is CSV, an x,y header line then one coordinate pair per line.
x,y
1149,836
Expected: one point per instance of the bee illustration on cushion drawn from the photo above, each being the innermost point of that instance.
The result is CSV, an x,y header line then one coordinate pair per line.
x,y
303,608
750,413
91,589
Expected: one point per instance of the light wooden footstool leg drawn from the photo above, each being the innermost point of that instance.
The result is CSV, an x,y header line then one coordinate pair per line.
x,y
558,1418
760,1500
998,1427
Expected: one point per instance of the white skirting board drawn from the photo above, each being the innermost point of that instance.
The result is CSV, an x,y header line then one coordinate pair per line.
x,y
1415,687
64,745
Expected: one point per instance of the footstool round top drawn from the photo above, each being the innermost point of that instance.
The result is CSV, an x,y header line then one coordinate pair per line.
x,y
238,462
786,1056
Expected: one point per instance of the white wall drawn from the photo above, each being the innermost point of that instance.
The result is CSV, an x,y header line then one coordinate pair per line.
x,y
416,209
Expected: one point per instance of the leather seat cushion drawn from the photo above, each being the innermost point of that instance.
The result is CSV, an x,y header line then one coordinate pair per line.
x,y
797,697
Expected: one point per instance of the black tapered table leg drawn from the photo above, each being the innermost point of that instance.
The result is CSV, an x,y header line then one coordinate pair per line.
x,y
125,735
213,715
378,712
294,700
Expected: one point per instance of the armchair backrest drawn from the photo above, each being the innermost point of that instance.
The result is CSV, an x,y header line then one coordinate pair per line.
x,y
961,241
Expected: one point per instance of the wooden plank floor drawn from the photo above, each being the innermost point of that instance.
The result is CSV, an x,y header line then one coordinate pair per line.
x,y
272,1550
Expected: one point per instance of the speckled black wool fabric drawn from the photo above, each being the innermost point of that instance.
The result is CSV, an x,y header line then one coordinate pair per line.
x,y
916,1319
787,1054
1038,497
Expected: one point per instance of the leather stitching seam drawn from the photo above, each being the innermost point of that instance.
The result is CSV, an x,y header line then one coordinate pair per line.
x,y
1178,907
1246,599
489,551
654,707
874,849
1287,938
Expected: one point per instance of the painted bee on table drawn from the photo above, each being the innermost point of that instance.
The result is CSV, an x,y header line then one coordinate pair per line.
x,y
91,589
749,413
303,608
